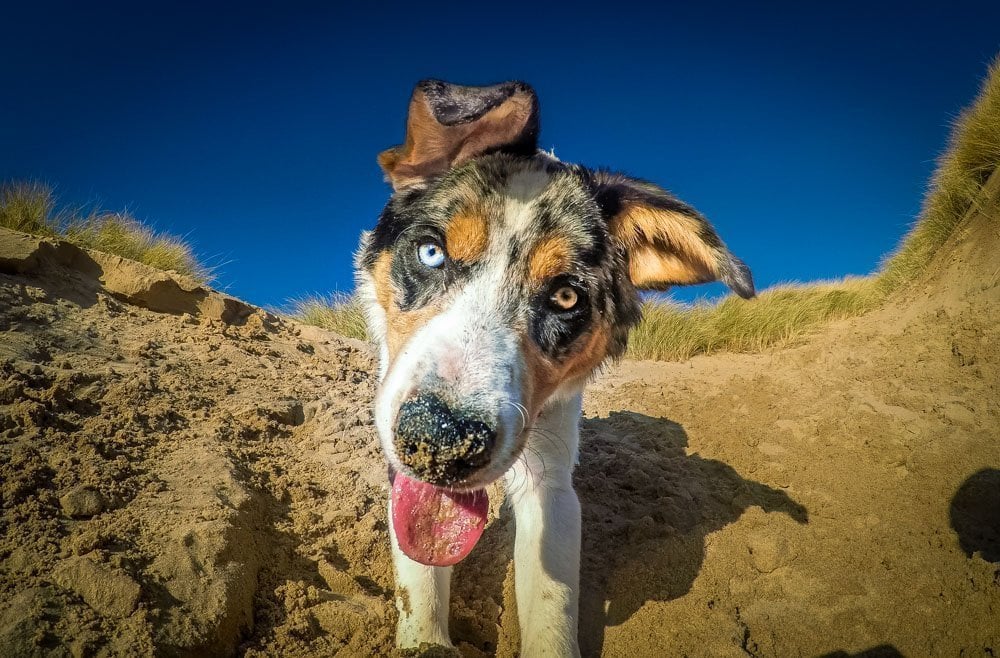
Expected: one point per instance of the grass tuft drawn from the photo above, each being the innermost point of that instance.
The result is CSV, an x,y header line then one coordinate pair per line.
x,y
338,312
122,235
673,332
30,207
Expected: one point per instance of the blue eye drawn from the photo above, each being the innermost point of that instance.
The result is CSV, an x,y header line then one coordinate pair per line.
x,y
431,254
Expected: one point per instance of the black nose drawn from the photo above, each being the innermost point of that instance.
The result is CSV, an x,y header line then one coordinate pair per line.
x,y
439,446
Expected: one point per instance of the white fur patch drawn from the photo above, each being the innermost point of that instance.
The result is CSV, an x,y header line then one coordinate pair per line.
x,y
520,197
469,352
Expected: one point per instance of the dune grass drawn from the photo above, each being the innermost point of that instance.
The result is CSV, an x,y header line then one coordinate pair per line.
x,y
339,313
673,332
30,207
972,155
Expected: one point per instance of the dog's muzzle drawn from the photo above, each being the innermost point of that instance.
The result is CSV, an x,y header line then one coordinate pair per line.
x,y
438,445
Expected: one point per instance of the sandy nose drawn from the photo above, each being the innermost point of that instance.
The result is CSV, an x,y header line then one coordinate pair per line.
x,y
439,445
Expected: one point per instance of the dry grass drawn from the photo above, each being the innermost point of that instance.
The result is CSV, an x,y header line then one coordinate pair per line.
x,y
972,155
124,236
672,332
339,313
31,208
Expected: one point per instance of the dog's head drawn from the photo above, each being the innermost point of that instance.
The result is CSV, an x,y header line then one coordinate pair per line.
x,y
498,278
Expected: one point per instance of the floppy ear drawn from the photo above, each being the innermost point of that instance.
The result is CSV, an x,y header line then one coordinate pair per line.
x,y
666,241
449,124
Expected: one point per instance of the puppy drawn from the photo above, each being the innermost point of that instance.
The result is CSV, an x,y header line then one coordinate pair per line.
x,y
496,281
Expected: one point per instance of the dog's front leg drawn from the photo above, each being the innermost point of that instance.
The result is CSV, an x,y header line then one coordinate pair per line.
x,y
547,543
422,595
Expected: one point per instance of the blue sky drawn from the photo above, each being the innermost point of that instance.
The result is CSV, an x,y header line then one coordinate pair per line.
x,y
805,133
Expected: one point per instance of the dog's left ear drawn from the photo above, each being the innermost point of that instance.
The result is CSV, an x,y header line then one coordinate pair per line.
x,y
666,241
449,124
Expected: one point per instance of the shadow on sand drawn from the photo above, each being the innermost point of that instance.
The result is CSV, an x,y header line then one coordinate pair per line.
x,y
975,514
647,507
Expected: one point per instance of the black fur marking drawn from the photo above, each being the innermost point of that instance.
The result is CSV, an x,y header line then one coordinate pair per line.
x,y
393,221
545,220
607,196
417,282
555,331
515,252
597,250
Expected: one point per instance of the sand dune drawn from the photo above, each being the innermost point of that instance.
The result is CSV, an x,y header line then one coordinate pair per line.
x,y
183,474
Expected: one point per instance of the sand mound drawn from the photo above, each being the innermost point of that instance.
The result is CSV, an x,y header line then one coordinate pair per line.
x,y
189,480
183,474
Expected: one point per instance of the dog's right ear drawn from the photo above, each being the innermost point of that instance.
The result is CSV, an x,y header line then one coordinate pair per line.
x,y
449,124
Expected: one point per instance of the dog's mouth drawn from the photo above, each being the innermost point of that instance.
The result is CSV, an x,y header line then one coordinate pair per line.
x,y
442,456
436,526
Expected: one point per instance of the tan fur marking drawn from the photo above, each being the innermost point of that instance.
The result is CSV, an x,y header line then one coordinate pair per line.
x,y
548,258
466,236
383,281
400,325
689,259
545,375
651,268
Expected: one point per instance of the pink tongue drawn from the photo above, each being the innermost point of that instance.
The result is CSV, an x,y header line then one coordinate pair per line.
x,y
434,526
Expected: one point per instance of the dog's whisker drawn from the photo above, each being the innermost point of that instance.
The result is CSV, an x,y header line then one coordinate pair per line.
x,y
514,488
551,437
536,478
521,410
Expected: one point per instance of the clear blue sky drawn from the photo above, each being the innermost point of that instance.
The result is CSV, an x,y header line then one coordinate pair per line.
x,y
807,134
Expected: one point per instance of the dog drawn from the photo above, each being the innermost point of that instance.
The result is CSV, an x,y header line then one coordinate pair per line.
x,y
496,281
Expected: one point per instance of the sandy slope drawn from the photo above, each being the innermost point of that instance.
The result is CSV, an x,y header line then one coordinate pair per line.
x,y
203,479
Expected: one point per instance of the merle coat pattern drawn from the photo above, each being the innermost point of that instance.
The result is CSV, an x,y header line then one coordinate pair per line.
x,y
496,281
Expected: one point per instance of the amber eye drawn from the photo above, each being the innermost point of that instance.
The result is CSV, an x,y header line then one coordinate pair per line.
x,y
564,298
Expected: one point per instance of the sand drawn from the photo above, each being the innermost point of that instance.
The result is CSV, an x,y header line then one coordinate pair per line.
x,y
182,474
